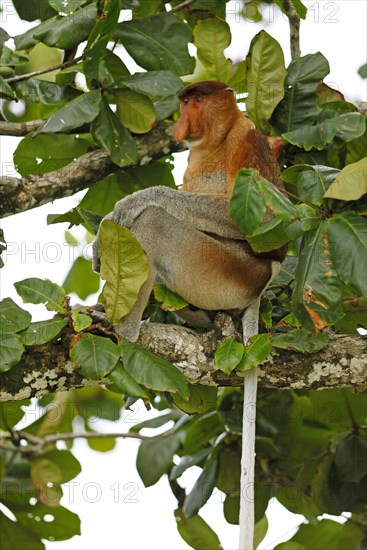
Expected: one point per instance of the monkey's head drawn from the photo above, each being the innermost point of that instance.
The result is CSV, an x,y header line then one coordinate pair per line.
x,y
208,110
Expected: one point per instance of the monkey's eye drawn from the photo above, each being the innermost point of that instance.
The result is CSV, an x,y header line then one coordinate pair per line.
x,y
198,99
186,100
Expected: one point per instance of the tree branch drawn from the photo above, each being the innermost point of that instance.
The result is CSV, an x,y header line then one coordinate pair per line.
x,y
294,24
21,77
18,195
36,444
19,129
47,368
182,6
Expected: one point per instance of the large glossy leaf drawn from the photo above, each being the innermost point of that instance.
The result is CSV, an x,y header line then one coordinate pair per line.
x,y
155,457
33,9
135,111
14,316
196,532
346,126
202,430
81,279
299,108
347,234
351,184
96,356
326,534
158,43
152,371
26,40
153,83
66,6
41,291
123,382
202,489
15,536
124,267
351,458
211,37
41,91
169,301
77,112
6,91
41,332
318,290
109,133
39,154
102,197
256,353
265,79
64,524
67,32
228,355
187,462
202,399
311,181
11,348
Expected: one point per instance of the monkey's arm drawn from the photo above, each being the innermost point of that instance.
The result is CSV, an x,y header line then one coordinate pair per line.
x,y
207,213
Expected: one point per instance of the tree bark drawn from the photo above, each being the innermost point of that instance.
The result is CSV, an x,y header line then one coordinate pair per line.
x,y
47,368
18,195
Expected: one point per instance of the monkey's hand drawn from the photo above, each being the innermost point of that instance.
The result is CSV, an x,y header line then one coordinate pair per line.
x,y
207,213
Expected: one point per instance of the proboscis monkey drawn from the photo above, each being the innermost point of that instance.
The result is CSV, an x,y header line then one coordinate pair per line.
x,y
193,246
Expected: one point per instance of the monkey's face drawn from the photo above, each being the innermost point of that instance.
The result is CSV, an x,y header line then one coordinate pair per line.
x,y
206,109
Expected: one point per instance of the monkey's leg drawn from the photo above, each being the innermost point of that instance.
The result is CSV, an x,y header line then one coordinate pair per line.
x,y
250,324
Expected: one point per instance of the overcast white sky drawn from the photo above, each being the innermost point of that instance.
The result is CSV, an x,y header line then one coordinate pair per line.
x,y
117,512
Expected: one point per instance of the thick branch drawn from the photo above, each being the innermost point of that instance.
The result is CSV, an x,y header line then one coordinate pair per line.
x,y
46,369
19,129
18,195
294,24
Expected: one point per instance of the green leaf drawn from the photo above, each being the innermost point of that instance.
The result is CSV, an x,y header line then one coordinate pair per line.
x,y
26,40
80,320
14,536
202,399
66,6
362,71
265,79
41,332
317,291
43,91
187,462
347,234
41,291
169,301
109,133
102,197
153,83
202,430
351,458
351,184
152,371
346,126
125,383
196,532
39,154
33,9
256,353
67,32
77,112
247,206
6,91
166,107
202,489
11,349
124,266
81,279
13,314
211,37
96,48
261,528
311,180
159,42
155,457
135,111
301,340
231,509
55,466
152,423
268,236
95,355
64,524
299,107
229,471
228,355
300,8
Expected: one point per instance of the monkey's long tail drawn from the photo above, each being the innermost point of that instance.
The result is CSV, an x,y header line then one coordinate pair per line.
x,y
247,497
250,324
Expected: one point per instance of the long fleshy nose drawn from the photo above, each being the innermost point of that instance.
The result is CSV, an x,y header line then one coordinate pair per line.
x,y
182,128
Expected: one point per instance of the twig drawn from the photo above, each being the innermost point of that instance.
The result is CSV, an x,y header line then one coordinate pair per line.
x,y
294,24
36,444
43,71
182,6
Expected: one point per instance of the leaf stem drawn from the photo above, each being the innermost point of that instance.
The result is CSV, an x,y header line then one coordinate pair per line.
x,y
69,63
182,6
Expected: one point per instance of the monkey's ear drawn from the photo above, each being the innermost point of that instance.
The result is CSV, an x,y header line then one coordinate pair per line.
x,y
229,90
